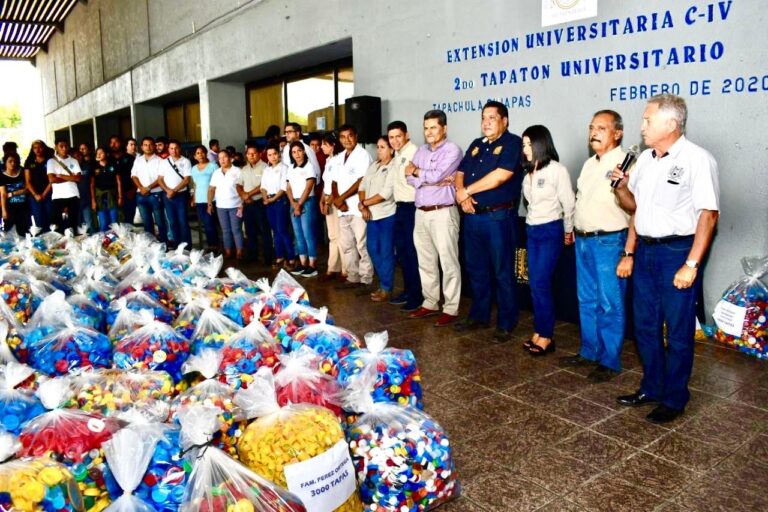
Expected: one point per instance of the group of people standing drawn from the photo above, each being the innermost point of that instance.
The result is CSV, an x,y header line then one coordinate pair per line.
x,y
654,223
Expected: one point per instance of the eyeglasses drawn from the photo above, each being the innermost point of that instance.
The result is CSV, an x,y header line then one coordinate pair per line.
x,y
289,131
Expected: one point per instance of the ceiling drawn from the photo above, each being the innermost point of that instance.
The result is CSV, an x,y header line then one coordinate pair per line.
x,y
27,25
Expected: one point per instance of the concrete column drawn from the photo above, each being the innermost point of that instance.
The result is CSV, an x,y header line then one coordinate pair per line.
x,y
147,120
222,113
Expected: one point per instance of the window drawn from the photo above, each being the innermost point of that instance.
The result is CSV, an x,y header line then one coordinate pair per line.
x,y
314,99
182,121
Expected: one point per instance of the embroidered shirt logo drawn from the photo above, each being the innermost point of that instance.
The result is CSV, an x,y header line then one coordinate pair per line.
x,y
675,174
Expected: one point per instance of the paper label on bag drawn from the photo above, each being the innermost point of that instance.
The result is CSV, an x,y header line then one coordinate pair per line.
x,y
730,318
323,482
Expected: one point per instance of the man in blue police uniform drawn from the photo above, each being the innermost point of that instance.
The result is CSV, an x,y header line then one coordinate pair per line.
x,y
674,195
488,185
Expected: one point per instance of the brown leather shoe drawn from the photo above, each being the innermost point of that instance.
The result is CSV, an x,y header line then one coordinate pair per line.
x,y
445,319
380,296
423,312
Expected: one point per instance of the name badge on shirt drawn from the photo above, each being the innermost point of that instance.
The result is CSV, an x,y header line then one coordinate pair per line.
x,y
475,151
497,151
674,175
402,161
608,174
540,182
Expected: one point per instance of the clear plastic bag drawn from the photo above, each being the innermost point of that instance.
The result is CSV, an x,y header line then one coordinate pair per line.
x,y
137,301
213,330
72,437
398,379
9,445
87,311
741,314
293,318
38,484
177,261
234,282
212,393
186,322
111,392
17,294
128,454
203,268
246,352
219,483
288,291
155,346
162,483
241,307
17,406
402,456
298,381
159,286
299,446
13,333
329,342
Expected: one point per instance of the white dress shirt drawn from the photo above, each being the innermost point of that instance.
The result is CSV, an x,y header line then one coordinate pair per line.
x,y
147,171
274,179
226,195
171,179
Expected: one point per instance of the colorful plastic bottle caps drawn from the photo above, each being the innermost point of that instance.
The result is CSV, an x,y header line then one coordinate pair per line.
x,y
109,391
754,334
240,307
73,438
155,290
59,352
213,330
221,484
294,433
17,407
156,346
138,301
329,342
293,318
88,313
38,485
17,294
403,460
246,352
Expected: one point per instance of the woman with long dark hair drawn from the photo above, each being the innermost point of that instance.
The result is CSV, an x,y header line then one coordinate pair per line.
x,y
36,177
331,147
550,204
105,190
301,195
201,178
13,196
274,183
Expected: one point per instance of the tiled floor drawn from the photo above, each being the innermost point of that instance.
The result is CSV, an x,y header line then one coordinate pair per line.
x,y
528,435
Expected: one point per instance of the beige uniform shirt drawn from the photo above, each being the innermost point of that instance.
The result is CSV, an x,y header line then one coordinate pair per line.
x,y
250,177
597,208
378,180
403,192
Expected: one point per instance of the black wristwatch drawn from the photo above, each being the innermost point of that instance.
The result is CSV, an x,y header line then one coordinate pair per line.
x,y
626,254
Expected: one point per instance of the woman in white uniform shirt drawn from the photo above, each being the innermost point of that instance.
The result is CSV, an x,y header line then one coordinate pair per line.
x,y
274,183
331,147
223,189
301,194
550,202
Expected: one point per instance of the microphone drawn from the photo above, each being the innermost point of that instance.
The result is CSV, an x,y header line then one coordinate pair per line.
x,y
628,160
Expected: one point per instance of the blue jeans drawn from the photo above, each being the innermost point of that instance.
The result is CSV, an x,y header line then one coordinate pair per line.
x,y
405,219
42,212
106,215
601,298
545,243
489,257
86,216
277,215
381,248
178,220
666,370
231,228
304,228
257,227
209,224
151,206
129,209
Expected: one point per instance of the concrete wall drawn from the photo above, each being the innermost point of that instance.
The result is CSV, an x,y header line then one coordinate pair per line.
x,y
415,54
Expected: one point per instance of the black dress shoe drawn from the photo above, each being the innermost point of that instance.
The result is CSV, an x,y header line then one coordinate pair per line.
x,y
502,335
635,399
601,374
574,361
663,414
469,324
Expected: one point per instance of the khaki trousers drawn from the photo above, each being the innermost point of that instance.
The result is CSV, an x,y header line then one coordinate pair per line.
x,y
352,239
436,237
335,260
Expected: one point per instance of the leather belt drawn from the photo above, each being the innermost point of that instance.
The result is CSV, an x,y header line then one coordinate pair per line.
x,y
434,207
664,240
495,208
599,232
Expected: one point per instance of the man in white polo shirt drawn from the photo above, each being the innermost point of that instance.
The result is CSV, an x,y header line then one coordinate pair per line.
x,y
64,175
674,195
149,199
347,175
174,178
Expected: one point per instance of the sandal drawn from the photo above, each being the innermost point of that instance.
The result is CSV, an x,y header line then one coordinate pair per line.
x,y
538,350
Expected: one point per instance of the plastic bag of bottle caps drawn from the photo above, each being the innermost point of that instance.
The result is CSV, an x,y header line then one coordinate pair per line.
x,y
246,352
286,444
329,342
741,314
39,484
